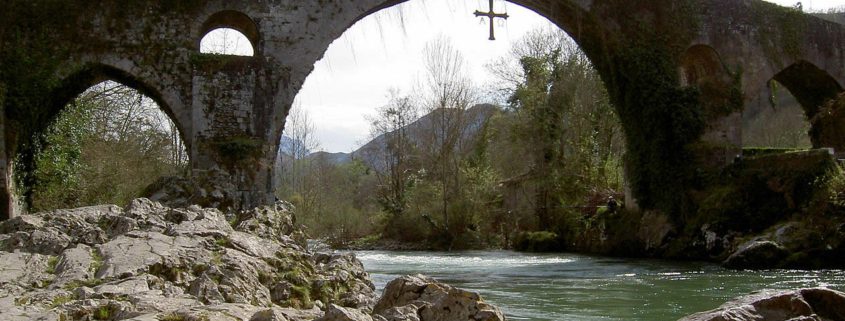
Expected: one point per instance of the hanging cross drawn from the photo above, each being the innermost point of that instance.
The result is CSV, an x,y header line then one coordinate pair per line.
x,y
491,15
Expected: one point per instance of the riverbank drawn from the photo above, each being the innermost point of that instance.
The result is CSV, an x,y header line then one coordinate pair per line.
x,y
768,210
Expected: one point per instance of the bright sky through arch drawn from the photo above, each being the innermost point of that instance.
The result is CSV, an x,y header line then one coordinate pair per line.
x,y
226,41
383,51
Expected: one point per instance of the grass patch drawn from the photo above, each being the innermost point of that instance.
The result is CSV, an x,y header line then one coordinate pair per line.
x,y
223,242
217,258
61,300
96,261
537,242
70,286
301,298
51,264
103,313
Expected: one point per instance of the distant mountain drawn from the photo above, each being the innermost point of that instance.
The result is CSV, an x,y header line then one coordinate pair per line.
x,y
477,117
332,158
286,145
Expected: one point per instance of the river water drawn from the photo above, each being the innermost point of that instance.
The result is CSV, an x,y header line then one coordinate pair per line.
x,y
557,287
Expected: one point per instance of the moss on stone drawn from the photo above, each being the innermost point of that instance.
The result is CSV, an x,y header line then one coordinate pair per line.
x,y
235,150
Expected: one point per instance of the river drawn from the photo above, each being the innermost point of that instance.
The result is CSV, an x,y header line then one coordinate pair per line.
x,y
558,287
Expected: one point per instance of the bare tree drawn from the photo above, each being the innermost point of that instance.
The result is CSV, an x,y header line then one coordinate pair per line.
x,y
446,93
391,156
299,141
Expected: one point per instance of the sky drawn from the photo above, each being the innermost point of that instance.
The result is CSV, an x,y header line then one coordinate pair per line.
x,y
383,52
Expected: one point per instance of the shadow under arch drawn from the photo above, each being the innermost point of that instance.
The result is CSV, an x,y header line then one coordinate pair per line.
x,y
235,20
813,88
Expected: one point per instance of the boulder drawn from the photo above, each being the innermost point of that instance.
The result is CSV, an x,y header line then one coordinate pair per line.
x,y
756,254
818,304
212,188
422,298
655,228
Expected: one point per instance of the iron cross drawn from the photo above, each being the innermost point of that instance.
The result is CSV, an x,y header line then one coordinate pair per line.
x,y
491,15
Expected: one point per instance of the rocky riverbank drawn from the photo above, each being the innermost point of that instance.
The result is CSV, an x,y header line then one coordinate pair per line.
x,y
151,262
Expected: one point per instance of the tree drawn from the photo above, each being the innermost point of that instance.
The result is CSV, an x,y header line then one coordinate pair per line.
x,y
298,141
445,94
105,147
390,157
559,116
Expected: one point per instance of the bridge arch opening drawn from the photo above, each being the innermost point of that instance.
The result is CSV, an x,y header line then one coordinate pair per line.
x,y
811,86
787,112
547,80
229,33
106,137
775,119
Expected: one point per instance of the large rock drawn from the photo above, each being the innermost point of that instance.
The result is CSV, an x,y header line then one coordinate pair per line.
x,y
756,254
422,298
213,188
817,304
151,262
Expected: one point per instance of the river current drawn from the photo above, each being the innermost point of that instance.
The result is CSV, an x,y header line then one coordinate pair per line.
x,y
558,287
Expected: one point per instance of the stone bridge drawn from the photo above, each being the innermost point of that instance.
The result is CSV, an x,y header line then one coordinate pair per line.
x,y
678,72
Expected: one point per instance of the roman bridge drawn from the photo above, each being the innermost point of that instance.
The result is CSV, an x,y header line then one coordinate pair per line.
x,y
678,72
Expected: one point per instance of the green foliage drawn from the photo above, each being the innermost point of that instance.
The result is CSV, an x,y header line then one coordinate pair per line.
x,y
60,300
763,190
559,139
830,191
97,261
335,202
51,264
223,241
301,297
661,121
538,242
236,149
85,156
103,313
564,136
59,167
73,285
